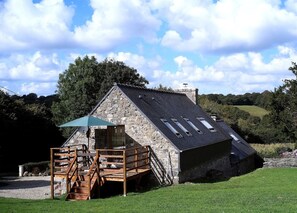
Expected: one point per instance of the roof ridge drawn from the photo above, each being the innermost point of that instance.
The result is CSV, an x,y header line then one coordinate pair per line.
x,y
148,89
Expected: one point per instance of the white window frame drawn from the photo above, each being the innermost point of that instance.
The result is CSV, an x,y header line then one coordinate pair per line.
x,y
207,124
172,129
193,125
234,137
181,127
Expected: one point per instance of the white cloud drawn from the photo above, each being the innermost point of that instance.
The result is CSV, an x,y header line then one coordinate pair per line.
x,y
114,22
237,73
227,25
291,5
36,67
143,65
25,25
38,88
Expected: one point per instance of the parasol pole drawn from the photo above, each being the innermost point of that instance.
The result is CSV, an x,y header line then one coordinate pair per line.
x,y
88,136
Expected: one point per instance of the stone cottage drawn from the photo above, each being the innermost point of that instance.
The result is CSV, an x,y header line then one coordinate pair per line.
x,y
185,141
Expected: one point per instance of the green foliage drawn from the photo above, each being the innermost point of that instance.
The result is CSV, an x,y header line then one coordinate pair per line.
x,y
272,150
265,190
27,131
254,110
163,88
283,114
257,99
85,82
41,166
242,122
228,113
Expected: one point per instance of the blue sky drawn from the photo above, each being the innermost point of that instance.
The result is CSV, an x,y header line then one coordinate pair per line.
x,y
225,46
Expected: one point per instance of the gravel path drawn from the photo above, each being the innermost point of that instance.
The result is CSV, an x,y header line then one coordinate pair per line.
x,y
25,187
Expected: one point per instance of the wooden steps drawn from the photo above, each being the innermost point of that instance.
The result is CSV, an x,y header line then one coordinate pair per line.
x,y
86,172
80,190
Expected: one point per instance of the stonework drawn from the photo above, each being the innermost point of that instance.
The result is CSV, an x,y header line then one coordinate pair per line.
x,y
280,162
117,108
192,94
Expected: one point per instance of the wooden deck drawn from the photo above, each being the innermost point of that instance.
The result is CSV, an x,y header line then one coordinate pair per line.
x,y
118,175
77,164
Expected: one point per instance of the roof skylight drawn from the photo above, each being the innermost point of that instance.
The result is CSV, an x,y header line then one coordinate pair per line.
x,y
193,125
181,126
171,128
233,136
206,124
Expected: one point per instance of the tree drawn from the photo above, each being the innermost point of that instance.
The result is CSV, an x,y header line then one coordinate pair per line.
x,y
284,108
163,88
25,128
85,82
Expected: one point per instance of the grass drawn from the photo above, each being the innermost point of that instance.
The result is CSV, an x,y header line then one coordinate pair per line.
x,y
272,150
264,190
253,110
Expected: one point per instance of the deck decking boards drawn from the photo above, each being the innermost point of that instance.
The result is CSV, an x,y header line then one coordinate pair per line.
x,y
110,168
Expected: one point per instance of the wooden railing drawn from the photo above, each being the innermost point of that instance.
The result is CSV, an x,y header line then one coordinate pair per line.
x,y
93,171
108,164
129,159
64,163
124,163
72,173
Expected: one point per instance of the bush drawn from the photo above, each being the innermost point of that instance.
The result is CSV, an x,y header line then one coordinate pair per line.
x,y
37,167
273,150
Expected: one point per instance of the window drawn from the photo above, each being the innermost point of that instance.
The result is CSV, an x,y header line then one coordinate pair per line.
x,y
193,125
171,128
206,124
233,136
181,126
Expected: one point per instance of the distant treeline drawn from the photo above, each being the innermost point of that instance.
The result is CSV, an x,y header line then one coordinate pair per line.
x,y
258,99
279,126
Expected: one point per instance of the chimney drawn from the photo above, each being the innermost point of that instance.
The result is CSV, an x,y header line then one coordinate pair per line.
x,y
192,94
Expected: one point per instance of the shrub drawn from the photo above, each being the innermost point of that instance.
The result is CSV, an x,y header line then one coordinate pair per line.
x,y
37,167
273,150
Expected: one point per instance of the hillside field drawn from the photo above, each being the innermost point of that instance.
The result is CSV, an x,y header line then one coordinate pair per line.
x,y
253,110
264,190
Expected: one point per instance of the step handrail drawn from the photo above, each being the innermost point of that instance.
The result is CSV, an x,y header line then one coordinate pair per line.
x,y
69,175
94,169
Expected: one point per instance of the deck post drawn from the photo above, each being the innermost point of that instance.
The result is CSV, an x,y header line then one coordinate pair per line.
x,y
98,171
147,161
52,174
125,173
136,159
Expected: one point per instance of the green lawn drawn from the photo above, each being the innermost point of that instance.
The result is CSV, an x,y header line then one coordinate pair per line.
x,y
265,190
253,110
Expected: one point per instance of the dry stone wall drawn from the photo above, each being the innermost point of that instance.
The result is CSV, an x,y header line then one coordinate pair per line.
x,y
280,162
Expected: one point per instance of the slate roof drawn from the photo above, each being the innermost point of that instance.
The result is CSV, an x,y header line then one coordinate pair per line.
x,y
157,105
239,146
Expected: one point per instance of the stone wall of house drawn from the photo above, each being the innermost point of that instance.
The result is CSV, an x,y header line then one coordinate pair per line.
x,y
78,137
221,164
118,109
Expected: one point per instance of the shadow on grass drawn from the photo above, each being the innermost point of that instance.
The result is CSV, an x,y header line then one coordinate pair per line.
x,y
134,187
